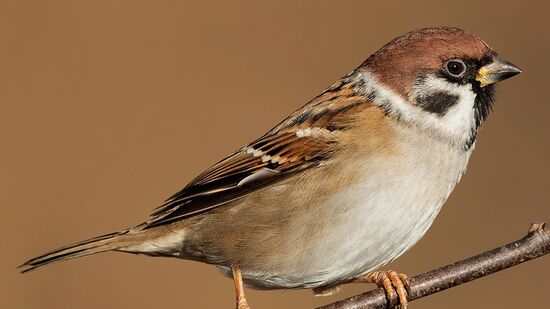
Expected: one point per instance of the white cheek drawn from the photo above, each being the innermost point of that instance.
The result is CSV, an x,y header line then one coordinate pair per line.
x,y
459,120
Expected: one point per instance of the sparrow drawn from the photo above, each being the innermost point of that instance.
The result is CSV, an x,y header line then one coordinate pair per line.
x,y
343,186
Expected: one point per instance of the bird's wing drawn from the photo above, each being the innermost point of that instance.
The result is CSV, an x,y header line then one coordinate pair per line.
x,y
304,140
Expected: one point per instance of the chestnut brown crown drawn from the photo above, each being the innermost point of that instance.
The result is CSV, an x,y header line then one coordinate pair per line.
x,y
423,51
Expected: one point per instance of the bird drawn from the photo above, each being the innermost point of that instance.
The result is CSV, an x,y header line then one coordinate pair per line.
x,y
341,187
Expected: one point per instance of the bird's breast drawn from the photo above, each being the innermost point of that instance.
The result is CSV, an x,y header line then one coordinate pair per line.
x,y
391,203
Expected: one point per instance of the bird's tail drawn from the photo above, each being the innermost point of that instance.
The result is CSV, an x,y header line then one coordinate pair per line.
x,y
107,242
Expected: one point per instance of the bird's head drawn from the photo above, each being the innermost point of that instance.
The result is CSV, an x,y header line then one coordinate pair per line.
x,y
441,79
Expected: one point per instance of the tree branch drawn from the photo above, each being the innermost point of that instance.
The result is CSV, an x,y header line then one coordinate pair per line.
x,y
534,245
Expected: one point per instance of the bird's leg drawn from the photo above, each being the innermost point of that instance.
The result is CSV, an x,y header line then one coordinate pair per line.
x,y
391,281
239,288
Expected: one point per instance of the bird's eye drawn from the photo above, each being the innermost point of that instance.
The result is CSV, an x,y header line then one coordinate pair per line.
x,y
455,67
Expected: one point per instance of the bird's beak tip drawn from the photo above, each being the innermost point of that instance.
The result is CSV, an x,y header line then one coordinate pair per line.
x,y
496,71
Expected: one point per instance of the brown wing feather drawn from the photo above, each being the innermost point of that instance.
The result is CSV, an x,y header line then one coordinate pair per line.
x,y
302,141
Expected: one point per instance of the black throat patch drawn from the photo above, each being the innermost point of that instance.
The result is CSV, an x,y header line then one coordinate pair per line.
x,y
485,99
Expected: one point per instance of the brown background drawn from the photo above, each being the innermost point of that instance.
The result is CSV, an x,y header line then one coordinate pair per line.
x,y
108,107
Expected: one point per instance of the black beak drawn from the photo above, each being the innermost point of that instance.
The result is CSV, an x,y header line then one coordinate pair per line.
x,y
496,71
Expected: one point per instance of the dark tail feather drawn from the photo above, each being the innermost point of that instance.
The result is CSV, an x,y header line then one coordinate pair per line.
x,y
87,247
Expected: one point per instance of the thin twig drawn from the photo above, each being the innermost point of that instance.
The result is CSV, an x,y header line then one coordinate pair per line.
x,y
534,245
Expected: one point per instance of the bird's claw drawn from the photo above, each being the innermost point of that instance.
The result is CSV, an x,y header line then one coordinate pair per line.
x,y
395,285
242,303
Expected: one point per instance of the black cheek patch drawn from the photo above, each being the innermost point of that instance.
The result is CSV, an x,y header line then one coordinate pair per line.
x,y
438,102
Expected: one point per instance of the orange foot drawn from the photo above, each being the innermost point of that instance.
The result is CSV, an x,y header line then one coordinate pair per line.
x,y
393,282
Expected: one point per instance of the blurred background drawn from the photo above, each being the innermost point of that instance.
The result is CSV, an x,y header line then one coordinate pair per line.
x,y
108,107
